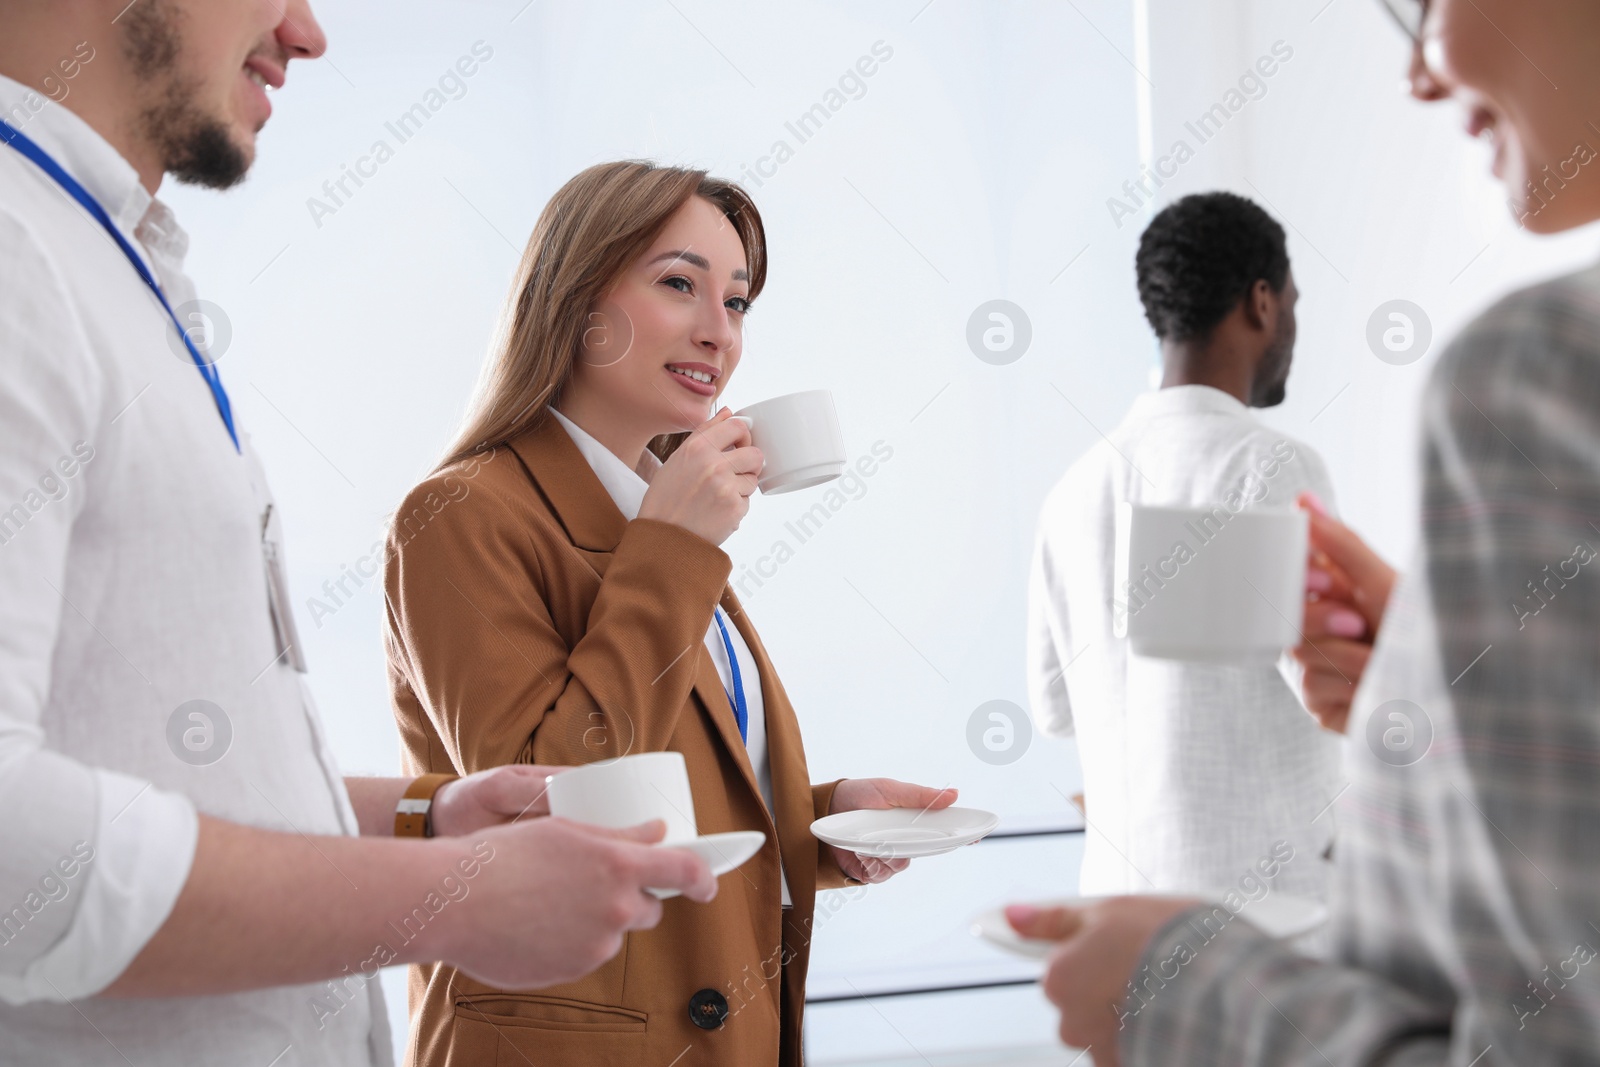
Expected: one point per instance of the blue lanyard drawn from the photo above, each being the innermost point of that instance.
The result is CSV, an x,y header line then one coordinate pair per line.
x,y
15,138
736,698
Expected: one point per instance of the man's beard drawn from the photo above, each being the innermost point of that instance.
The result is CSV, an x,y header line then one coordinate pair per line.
x,y
1272,374
1270,391
1271,396
194,147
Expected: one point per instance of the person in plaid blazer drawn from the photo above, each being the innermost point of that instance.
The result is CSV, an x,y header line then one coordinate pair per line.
x,y
1467,871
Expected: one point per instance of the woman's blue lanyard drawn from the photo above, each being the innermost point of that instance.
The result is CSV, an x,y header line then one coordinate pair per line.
x,y
15,138
736,698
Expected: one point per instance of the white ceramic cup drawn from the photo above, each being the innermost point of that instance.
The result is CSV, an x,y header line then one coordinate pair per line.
x,y
627,791
799,438
1209,585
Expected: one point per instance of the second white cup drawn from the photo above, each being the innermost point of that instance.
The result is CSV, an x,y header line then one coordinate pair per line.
x,y
1210,585
627,791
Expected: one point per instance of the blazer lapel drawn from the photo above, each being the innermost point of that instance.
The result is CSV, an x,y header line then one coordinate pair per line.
x,y
791,780
581,504
595,525
716,706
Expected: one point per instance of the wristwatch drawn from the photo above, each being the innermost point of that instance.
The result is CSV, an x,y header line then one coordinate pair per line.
x,y
413,816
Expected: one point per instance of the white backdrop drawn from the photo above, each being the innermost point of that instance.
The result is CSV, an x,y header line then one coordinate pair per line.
x,y
977,162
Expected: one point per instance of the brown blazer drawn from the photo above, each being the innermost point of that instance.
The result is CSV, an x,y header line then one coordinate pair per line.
x,y
529,622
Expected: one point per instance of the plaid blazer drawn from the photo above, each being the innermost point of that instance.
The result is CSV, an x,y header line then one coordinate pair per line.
x,y
1466,892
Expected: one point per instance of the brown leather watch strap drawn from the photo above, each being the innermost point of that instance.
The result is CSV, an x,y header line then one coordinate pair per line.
x,y
413,816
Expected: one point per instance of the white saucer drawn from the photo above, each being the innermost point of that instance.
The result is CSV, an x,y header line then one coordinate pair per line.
x,y
905,833
723,852
1278,915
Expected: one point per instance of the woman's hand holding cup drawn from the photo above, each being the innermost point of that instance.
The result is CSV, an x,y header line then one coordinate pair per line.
x,y
1347,592
705,485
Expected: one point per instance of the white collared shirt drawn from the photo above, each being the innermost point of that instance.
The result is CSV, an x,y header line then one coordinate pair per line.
x,y
132,583
627,488
1192,772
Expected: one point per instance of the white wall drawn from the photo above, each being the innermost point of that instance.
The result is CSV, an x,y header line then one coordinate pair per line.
x,y
977,164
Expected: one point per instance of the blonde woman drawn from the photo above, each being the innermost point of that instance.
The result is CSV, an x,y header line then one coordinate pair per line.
x,y
557,596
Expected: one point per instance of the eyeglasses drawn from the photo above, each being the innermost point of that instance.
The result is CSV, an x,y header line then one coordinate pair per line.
x,y
1410,14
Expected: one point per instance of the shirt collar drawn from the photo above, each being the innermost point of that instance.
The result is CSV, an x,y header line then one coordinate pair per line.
x,y
97,166
1190,400
625,485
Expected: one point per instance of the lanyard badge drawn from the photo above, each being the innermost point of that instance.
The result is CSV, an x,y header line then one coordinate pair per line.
x,y
283,627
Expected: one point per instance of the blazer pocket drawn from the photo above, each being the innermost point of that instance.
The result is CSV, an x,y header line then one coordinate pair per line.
x,y
550,1013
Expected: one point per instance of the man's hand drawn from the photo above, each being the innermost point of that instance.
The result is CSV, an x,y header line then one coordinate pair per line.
x,y
1347,592
856,794
554,898
1087,977
490,798
521,906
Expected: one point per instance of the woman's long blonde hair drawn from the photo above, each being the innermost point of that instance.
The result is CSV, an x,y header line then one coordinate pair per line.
x,y
590,232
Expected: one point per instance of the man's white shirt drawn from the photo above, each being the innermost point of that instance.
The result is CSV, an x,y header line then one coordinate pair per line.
x,y
132,583
1193,773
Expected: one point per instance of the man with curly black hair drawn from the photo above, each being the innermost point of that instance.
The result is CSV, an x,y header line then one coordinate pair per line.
x,y
1215,282
1197,776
